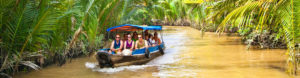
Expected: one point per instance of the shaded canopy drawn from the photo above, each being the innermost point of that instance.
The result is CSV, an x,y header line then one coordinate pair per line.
x,y
129,27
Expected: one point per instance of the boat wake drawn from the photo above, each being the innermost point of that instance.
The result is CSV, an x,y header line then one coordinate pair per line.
x,y
94,67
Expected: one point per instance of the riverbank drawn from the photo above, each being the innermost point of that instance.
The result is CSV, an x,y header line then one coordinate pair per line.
x,y
188,54
265,40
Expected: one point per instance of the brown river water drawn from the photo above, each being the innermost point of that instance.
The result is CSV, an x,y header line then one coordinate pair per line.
x,y
187,54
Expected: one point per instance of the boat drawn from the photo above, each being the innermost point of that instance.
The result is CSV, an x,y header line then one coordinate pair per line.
x,y
138,56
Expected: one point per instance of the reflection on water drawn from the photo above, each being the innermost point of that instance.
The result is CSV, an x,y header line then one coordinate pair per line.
x,y
187,55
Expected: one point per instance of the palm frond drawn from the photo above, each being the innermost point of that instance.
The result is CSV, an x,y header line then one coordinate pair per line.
x,y
30,64
240,11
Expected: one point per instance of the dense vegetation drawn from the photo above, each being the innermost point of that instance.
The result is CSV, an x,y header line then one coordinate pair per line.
x,y
38,32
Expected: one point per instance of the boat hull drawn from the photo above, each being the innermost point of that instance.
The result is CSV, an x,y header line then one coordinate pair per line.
x,y
112,60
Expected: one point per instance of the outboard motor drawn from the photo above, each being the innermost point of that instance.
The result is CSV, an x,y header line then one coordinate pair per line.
x,y
104,60
161,50
147,53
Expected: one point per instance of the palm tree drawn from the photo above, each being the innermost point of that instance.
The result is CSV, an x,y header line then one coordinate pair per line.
x,y
44,28
277,17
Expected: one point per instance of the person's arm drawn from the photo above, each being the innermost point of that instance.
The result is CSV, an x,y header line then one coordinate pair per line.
x,y
159,42
146,44
125,45
132,46
121,45
112,46
136,44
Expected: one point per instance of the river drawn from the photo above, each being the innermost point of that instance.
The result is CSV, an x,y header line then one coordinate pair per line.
x,y
188,54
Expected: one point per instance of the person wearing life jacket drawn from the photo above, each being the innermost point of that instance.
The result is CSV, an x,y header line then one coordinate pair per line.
x,y
116,45
128,46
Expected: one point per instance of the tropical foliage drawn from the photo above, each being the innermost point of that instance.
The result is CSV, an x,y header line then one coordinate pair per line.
x,y
42,29
35,32
267,23
271,22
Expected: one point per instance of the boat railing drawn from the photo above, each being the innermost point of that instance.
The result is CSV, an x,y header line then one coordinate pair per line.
x,y
137,51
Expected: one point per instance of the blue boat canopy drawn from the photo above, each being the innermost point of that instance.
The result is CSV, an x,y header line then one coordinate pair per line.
x,y
129,27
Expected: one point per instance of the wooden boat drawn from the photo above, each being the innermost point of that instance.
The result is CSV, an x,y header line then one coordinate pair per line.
x,y
138,57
